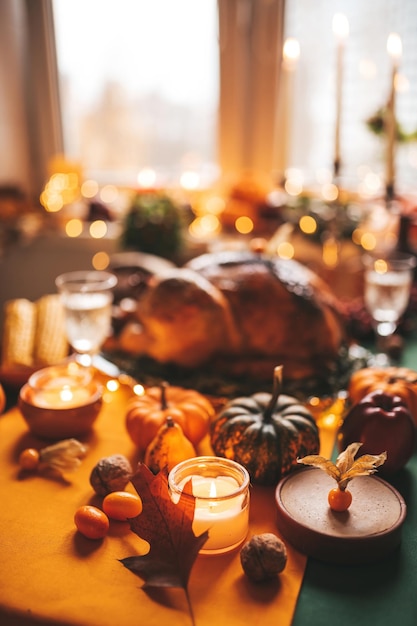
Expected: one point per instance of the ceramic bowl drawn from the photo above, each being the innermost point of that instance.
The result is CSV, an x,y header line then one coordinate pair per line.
x,y
53,412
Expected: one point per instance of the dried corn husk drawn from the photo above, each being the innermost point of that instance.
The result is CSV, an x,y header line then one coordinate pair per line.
x,y
18,333
51,345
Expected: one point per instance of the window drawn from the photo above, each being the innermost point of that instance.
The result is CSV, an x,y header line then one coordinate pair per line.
x,y
365,88
226,116
139,87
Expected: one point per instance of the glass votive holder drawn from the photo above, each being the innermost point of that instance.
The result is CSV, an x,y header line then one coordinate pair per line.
x,y
220,488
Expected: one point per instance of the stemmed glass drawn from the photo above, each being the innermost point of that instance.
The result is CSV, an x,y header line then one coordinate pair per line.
x,y
87,298
387,286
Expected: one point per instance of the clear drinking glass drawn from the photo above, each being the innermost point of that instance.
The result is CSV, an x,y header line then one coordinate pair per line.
x,y
87,297
387,286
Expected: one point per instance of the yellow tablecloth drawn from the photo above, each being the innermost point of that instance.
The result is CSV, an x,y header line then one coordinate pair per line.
x,y
51,574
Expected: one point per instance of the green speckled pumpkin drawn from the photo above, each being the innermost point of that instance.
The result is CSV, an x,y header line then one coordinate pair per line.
x,y
265,433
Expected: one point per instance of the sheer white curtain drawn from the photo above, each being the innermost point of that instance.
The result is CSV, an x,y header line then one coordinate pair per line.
x,y
29,109
250,40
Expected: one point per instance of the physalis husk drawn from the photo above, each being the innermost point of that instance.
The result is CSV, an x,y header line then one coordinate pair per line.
x,y
345,468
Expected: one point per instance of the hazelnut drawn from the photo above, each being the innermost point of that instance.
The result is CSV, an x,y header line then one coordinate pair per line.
x,y
263,557
111,473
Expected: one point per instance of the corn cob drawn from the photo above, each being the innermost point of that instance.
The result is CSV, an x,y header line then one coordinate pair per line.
x,y
51,345
18,333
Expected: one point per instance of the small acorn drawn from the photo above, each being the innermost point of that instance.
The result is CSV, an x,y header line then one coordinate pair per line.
x,y
111,473
263,557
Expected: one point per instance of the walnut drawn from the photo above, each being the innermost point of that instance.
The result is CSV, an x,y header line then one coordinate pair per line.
x,y
111,473
263,557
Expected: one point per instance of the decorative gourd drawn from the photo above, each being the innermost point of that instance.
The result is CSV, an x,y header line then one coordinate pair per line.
x,y
169,447
395,381
266,433
187,407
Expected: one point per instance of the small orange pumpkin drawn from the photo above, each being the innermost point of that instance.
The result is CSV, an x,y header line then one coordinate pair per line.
x,y
187,407
396,381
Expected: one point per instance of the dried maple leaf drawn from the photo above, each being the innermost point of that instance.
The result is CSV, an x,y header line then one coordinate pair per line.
x,y
167,527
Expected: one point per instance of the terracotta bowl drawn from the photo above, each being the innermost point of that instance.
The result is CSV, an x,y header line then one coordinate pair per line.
x,y
60,422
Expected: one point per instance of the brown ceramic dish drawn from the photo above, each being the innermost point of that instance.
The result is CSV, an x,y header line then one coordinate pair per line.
x,y
367,531
60,423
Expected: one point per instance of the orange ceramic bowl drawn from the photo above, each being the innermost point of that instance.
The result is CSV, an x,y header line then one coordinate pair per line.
x,y
51,417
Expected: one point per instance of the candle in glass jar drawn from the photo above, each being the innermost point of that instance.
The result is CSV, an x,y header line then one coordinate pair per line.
x,y
221,491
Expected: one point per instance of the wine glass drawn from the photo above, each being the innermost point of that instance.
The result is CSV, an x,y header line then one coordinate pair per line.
x,y
87,298
387,286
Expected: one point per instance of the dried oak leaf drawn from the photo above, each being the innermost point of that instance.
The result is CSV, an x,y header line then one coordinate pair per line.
x,y
167,527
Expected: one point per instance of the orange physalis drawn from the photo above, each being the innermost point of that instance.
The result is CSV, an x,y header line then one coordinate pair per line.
x,y
345,468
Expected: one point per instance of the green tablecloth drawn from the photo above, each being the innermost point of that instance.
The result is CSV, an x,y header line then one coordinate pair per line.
x,y
383,593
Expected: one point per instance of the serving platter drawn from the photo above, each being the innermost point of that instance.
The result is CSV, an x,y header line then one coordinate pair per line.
x,y
368,531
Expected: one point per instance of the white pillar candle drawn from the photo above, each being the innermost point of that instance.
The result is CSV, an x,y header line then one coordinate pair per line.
x,y
394,49
221,491
290,56
341,32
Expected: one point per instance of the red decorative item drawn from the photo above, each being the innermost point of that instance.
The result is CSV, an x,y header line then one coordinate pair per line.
x,y
381,421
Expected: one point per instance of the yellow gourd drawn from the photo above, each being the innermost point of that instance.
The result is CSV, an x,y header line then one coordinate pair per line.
x,y
169,447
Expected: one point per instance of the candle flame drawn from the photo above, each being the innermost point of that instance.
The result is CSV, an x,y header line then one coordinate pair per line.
x,y
291,49
340,26
66,394
394,46
213,490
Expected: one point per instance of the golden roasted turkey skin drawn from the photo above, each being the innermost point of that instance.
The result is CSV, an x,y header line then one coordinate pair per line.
x,y
246,312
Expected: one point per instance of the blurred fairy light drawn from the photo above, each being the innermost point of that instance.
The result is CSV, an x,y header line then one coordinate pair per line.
x,y
368,241
307,224
100,261
98,229
146,177
208,205
190,180
294,182
285,250
60,189
215,205
330,192
74,227
109,194
370,185
89,188
357,236
112,384
244,225
205,226
330,252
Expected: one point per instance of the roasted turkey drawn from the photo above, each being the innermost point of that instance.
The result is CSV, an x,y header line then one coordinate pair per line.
x,y
240,312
